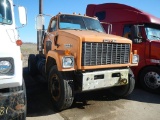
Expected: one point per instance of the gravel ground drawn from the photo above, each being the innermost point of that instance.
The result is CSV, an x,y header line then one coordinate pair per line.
x,y
28,48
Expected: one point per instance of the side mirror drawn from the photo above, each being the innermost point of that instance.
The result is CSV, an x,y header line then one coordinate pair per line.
x,y
22,15
109,26
40,22
136,36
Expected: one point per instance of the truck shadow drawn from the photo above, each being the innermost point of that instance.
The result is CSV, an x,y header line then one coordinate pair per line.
x,y
39,103
144,96
138,95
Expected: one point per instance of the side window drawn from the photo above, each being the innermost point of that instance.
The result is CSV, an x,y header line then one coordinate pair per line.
x,y
101,15
53,25
127,32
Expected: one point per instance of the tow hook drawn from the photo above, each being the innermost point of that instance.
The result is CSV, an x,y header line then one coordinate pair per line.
x,y
122,81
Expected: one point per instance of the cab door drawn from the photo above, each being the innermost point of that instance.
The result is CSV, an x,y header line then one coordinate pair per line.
x,y
139,46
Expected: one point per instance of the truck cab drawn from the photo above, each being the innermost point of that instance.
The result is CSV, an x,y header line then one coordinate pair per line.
x,y
144,31
12,87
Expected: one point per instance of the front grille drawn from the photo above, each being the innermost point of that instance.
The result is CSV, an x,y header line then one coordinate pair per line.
x,y
104,53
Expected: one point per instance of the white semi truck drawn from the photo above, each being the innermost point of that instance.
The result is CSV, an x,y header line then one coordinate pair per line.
x,y
12,87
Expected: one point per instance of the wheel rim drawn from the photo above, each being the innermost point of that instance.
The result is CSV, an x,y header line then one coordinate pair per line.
x,y
55,87
152,80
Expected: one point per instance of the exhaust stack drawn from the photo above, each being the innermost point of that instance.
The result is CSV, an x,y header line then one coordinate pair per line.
x,y
40,32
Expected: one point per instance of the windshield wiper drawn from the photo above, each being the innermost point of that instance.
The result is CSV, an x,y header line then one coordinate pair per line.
x,y
77,29
68,28
155,36
94,29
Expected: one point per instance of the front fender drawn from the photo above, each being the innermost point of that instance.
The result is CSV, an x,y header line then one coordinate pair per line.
x,y
57,55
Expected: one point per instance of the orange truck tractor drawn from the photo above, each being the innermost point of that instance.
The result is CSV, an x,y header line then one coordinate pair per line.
x,y
140,27
76,55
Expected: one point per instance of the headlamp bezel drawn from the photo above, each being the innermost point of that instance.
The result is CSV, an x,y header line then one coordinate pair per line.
x,y
11,61
133,57
65,58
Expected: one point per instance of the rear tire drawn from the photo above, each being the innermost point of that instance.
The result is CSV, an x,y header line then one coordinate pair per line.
x,y
32,69
124,90
60,89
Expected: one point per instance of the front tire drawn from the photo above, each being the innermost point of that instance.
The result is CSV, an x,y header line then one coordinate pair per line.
x,y
60,89
150,78
21,100
124,90
23,115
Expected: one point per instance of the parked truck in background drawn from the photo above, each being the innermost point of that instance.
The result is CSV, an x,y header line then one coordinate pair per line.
x,y
143,29
76,55
12,87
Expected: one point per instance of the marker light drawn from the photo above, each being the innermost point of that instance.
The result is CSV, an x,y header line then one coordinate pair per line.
x,y
19,42
67,52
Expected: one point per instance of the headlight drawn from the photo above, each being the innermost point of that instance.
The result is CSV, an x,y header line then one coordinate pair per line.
x,y
135,59
68,61
6,66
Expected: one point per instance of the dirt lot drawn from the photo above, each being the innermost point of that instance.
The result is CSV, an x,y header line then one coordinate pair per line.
x,y
140,105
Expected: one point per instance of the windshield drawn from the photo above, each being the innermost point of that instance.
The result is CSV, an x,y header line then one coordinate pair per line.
x,y
152,31
5,12
79,23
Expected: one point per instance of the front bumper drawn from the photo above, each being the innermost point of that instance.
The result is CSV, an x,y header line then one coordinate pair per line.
x,y
12,104
104,79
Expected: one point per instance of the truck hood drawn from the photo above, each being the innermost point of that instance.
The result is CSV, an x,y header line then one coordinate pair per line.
x,y
8,37
7,34
155,49
93,36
